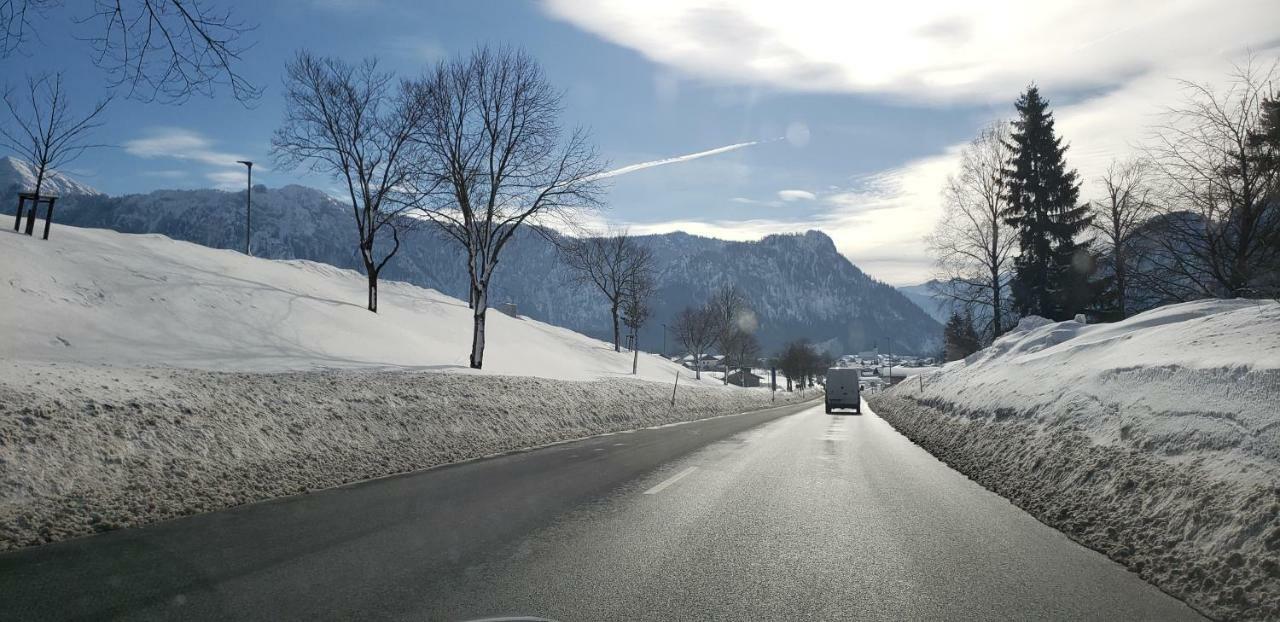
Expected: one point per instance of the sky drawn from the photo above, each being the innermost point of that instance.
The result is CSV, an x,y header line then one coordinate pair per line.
x,y
734,119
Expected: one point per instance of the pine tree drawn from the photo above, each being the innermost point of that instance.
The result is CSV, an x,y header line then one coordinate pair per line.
x,y
1051,274
960,337
971,340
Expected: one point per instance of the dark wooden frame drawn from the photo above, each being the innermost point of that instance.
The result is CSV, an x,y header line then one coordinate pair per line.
x,y
35,200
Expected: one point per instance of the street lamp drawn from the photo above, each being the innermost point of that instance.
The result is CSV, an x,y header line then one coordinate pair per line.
x,y
248,206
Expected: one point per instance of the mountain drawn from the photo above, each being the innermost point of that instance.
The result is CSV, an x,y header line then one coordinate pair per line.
x,y
922,296
18,176
798,285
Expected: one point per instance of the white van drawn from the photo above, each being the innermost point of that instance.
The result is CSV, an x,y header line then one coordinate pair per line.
x,y
842,389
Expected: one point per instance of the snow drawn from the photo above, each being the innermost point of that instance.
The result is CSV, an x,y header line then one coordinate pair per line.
x,y
143,378
900,371
1207,366
1155,440
92,296
89,449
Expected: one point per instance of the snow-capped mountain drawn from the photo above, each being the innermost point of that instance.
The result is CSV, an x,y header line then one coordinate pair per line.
x,y
18,176
798,285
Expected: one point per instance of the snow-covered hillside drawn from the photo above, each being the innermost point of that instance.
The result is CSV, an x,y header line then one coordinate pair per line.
x,y
798,285
16,175
1155,440
143,378
99,297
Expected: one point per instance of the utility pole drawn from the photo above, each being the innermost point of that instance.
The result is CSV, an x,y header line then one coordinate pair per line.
x,y
248,207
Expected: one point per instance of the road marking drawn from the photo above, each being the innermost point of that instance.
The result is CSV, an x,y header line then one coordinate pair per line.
x,y
669,481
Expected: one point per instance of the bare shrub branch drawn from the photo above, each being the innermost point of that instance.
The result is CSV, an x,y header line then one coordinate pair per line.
x,y
972,244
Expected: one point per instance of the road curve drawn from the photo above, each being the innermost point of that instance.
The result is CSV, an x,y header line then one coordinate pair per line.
x,y
784,514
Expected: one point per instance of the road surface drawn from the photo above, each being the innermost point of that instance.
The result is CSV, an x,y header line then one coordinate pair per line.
x,y
784,514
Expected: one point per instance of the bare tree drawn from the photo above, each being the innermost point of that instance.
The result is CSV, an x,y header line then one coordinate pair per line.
x,y
728,306
1118,218
636,312
16,21
353,123
43,131
800,362
502,160
740,349
1221,229
696,330
614,264
165,49
972,244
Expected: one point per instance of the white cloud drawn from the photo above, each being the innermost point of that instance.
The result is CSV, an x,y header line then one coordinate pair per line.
x,y
881,221
181,144
879,224
796,195
185,145
1107,66
923,49
228,180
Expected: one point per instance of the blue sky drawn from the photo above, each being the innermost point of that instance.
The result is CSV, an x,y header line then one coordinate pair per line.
x,y
874,99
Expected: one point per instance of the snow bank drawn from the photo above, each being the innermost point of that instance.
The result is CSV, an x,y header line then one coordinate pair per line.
x,y
1155,440
91,449
143,378
97,296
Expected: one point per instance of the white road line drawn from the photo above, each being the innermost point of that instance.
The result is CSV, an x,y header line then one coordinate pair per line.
x,y
669,481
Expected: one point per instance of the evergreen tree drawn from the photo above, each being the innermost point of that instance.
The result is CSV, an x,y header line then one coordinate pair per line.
x,y
960,337
1051,274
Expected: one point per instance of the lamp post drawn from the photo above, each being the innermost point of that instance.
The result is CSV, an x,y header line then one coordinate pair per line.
x,y
248,207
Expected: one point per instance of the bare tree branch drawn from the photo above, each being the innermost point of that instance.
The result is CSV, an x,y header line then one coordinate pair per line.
x,y
354,123
1118,219
154,49
1219,210
43,131
612,263
972,243
500,158
696,330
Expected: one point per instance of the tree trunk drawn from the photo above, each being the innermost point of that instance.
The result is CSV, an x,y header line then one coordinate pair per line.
x,y
39,181
697,367
635,352
1121,286
480,296
31,215
997,306
613,310
373,288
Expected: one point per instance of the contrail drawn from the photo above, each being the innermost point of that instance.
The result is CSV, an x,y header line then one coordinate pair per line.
x,y
631,168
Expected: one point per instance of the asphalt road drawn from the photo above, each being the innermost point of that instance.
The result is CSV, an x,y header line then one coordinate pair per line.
x,y
784,514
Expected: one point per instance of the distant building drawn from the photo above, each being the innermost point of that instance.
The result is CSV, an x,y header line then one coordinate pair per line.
x,y
895,374
709,361
744,378
870,383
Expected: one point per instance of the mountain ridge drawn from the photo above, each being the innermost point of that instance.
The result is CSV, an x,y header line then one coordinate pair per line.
x,y
18,176
798,284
